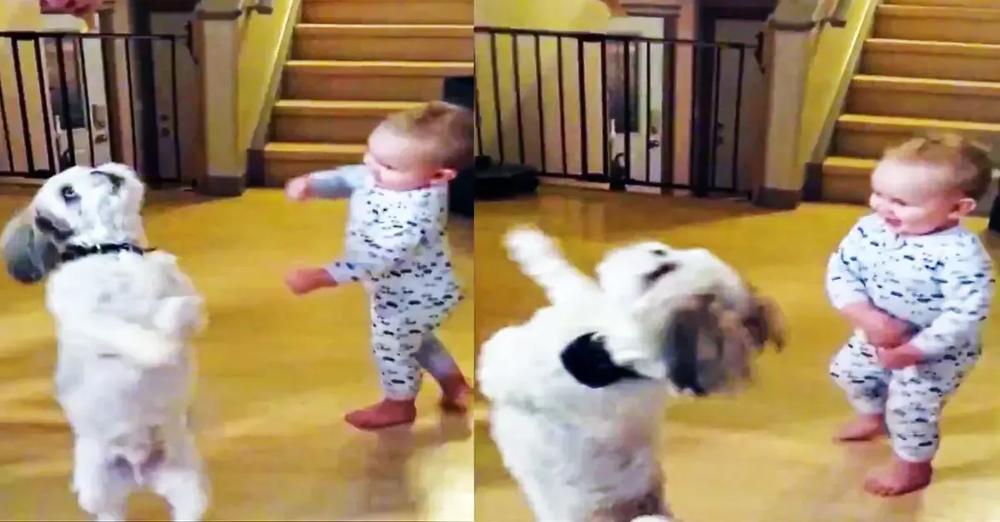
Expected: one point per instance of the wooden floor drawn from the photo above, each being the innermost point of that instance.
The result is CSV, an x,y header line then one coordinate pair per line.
x,y
277,373
765,456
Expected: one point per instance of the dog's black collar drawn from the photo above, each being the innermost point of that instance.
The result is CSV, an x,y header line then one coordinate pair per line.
x,y
589,362
74,252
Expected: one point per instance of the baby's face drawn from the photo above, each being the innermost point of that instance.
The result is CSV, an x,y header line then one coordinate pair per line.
x,y
916,198
397,163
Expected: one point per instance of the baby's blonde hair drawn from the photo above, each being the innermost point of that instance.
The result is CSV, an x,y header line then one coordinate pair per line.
x,y
443,132
968,163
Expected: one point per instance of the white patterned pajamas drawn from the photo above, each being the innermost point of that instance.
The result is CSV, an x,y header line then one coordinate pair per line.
x,y
942,284
396,246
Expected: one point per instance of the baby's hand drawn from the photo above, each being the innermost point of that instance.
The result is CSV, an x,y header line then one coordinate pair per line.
x,y
887,331
298,189
304,280
880,328
899,357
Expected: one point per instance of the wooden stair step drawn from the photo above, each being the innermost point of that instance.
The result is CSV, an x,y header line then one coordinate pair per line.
x,y
386,30
927,85
342,108
868,136
847,179
931,47
388,11
937,23
331,120
937,12
931,59
394,42
985,4
929,98
982,4
867,122
380,68
282,161
313,151
847,166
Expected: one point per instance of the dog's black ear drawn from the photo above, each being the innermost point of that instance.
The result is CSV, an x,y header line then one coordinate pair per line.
x,y
47,227
116,180
589,362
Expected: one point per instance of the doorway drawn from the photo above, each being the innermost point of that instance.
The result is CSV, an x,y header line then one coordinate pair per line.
x,y
640,99
730,100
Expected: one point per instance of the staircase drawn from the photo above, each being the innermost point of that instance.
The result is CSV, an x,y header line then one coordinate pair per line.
x,y
929,65
352,63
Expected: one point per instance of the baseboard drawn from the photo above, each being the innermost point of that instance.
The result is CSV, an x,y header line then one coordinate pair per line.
x,y
780,199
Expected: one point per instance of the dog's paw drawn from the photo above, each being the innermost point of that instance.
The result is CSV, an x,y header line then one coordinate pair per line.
x,y
150,350
526,242
180,317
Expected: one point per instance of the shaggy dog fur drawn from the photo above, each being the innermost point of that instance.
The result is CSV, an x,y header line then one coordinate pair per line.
x,y
123,317
577,391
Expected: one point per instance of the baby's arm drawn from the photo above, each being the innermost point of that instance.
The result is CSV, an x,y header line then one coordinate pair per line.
x,y
540,259
844,286
967,283
329,184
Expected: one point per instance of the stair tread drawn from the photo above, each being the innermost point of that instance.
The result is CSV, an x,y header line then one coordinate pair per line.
x,y
933,47
386,29
380,63
932,84
860,121
849,166
339,106
938,11
285,149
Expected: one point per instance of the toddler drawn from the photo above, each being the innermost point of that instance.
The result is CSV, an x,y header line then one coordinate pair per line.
x,y
915,284
396,246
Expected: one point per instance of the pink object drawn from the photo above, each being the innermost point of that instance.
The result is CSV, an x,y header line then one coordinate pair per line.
x,y
74,7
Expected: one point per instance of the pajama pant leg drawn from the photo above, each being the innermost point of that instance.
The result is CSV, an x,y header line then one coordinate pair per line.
x,y
395,340
394,354
856,370
433,356
916,397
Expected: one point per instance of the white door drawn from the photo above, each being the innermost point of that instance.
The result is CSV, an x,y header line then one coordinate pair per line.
x,y
644,131
728,174
188,104
85,94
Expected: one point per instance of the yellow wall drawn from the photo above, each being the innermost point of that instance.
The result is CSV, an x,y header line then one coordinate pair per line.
x,y
261,50
828,76
21,15
561,15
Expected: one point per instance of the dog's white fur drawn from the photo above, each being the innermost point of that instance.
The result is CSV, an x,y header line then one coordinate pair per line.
x,y
576,451
124,372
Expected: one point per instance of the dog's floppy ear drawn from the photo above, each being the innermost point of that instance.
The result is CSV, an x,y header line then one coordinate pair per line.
x,y
765,321
28,256
588,361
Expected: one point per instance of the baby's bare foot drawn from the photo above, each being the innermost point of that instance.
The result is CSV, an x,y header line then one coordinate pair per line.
x,y
863,427
900,478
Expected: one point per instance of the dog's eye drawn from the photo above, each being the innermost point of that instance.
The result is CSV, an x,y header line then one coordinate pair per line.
x,y
660,271
68,194
659,252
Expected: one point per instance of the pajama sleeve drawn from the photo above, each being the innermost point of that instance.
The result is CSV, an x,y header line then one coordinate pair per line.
x,y
967,284
844,283
394,240
338,183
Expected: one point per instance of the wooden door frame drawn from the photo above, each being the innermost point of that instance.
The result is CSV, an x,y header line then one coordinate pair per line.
x,y
704,80
670,16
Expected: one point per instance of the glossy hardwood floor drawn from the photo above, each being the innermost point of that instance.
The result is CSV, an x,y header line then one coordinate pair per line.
x,y
765,456
277,373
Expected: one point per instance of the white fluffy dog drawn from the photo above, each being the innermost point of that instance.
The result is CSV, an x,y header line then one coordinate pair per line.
x,y
577,392
124,316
